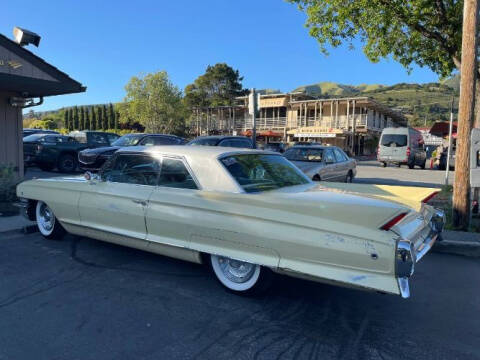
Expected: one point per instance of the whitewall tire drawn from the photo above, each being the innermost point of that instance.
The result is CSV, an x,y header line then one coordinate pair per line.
x,y
239,276
47,223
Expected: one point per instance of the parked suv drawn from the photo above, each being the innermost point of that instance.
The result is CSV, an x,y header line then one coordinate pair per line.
x,y
49,151
93,159
220,140
401,146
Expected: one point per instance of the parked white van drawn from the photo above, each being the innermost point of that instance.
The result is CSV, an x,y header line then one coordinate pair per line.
x,y
401,146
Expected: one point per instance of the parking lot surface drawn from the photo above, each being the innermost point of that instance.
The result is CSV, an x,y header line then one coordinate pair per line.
x,y
84,299
370,172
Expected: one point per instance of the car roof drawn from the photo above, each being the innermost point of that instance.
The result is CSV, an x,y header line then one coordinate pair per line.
x,y
220,137
194,151
313,147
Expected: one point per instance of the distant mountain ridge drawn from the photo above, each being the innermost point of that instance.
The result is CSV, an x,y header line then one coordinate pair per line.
x,y
335,89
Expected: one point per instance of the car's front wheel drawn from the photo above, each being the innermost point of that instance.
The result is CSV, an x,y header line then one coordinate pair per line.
x,y
67,163
47,223
240,276
349,177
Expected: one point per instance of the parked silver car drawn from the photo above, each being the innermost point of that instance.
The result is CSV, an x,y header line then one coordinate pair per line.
x,y
327,163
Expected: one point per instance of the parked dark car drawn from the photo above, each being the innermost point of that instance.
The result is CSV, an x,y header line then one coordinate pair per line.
x,y
27,132
93,159
274,146
50,151
221,140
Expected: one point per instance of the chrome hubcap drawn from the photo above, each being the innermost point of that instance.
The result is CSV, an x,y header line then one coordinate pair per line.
x,y
47,220
236,271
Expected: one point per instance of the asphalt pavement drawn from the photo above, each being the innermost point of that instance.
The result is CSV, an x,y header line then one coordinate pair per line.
x,y
85,299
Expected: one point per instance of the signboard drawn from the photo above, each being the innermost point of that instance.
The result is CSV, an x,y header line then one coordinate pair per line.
x,y
316,135
273,102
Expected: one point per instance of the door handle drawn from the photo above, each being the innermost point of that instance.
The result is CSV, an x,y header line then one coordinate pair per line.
x,y
141,202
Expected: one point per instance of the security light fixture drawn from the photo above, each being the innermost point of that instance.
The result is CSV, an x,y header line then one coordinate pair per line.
x,y
25,37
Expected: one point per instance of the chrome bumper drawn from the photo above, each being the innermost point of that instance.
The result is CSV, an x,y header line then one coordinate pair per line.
x,y
408,254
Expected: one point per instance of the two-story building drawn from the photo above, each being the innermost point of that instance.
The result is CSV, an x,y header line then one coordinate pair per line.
x,y
353,124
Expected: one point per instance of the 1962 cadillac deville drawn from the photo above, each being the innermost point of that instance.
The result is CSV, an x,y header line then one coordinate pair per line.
x,y
244,212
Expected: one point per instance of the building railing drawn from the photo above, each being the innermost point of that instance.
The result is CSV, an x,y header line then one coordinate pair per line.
x,y
333,122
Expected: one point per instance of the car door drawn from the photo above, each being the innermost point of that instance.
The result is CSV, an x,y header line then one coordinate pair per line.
x,y
329,172
171,209
342,166
117,203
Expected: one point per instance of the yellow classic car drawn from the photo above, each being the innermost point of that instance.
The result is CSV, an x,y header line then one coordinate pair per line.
x,y
244,212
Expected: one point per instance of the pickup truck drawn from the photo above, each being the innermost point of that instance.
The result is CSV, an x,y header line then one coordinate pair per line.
x,y
49,151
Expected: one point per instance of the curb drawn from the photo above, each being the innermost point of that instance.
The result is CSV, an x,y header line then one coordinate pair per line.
x,y
463,248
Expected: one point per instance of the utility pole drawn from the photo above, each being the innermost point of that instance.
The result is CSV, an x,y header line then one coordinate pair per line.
x,y
253,104
449,150
461,190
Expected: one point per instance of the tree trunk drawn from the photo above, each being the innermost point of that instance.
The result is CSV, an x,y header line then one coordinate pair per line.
x,y
461,191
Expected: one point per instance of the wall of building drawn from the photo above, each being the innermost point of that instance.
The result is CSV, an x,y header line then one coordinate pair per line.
x,y
11,145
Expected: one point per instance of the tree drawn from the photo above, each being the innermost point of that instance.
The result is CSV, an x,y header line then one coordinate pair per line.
x,y
219,86
75,118
94,119
104,117
65,119
111,117
88,124
82,118
70,120
156,103
425,32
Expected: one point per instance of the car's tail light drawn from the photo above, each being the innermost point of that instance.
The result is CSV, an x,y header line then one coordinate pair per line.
x,y
39,148
408,151
394,221
430,197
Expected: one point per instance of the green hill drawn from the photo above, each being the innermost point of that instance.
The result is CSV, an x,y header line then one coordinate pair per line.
x,y
420,103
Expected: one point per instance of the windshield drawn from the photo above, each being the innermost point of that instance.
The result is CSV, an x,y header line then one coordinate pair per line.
x,y
127,140
304,154
391,140
257,172
34,137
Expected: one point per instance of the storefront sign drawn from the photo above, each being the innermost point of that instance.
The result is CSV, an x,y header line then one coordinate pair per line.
x,y
316,135
273,102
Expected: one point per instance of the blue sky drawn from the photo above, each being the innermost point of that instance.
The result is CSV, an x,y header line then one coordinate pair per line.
x,y
103,43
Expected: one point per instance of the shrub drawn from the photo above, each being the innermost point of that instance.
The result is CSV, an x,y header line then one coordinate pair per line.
x,y
8,183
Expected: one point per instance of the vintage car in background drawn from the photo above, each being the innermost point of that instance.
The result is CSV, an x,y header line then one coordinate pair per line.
x,y
50,151
323,163
93,159
245,213
27,132
222,140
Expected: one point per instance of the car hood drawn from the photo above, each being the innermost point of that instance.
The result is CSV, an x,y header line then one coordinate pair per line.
x,y
101,150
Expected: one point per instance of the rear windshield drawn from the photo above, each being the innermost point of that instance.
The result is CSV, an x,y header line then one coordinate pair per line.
x,y
256,172
204,142
304,154
128,140
392,140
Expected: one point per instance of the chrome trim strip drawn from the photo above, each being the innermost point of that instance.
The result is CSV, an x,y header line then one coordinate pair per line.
x,y
404,287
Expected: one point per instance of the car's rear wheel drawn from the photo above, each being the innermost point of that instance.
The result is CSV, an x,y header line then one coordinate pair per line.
x,y
411,165
47,223
316,178
239,276
67,163
349,177
384,164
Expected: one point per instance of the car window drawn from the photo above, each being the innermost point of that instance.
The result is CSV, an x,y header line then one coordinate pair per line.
x,y
158,140
258,172
304,154
478,158
175,174
132,169
49,139
339,155
391,140
112,138
204,142
329,157
98,139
